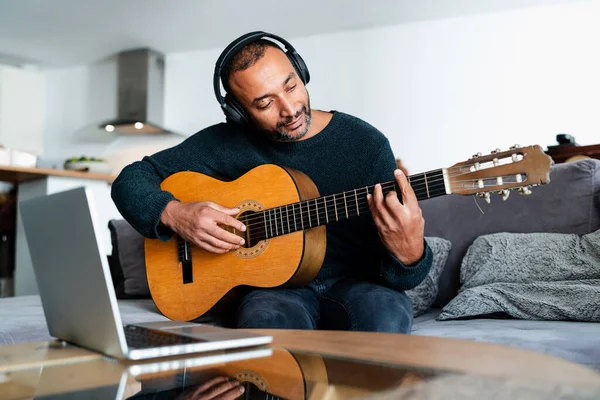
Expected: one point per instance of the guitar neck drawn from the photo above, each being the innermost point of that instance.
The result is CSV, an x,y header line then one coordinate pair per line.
x,y
307,214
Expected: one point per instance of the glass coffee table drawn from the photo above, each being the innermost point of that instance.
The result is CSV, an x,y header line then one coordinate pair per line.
x,y
308,365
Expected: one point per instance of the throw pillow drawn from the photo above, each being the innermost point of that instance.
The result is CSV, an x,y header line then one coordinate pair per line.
x,y
546,276
128,265
423,295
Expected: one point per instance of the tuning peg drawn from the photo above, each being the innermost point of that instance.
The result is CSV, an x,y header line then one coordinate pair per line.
x,y
485,196
476,155
514,147
495,151
524,190
504,193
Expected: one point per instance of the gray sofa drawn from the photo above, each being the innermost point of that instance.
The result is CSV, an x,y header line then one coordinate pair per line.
x,y
570,204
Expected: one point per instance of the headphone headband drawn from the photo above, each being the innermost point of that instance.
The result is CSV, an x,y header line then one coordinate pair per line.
x,y
229,106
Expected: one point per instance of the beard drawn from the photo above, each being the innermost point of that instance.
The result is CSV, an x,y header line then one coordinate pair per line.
x,y
280,133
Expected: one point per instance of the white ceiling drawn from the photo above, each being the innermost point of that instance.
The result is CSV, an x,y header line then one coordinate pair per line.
x,y
57,33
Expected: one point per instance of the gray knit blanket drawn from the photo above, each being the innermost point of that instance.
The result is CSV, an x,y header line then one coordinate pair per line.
x,y
543,276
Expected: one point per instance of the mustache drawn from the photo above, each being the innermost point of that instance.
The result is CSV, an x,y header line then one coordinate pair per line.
x,y
287,120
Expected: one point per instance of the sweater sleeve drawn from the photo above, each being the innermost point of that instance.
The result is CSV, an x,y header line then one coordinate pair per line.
x,y
392,271
137,193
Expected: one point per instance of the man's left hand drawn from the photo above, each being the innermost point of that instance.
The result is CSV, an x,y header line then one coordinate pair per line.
x,y
401,226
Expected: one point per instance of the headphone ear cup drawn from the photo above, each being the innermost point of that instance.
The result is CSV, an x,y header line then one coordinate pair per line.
x,y
300,66
234,111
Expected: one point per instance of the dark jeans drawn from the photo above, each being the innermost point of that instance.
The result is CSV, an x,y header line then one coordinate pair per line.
x,y
333,304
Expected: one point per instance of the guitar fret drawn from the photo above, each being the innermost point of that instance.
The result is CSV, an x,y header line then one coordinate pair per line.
x,y
335,206
287,214
317,211
426,185
294,212
275,215
326,211
356,201
265,219
270,223
308,210
281,217
346,206
301,216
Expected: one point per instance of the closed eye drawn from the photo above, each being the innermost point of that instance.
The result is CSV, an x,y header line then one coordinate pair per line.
x,y
264,107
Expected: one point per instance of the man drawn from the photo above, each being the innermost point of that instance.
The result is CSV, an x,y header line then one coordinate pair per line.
x,y
370,260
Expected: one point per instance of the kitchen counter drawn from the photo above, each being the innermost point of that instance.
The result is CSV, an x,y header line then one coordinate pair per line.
x,y
24,174
35,182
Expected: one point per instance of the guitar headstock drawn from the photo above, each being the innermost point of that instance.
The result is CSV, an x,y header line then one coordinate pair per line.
x,y
518,168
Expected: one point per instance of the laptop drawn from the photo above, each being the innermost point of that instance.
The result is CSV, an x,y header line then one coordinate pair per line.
x,y
78,297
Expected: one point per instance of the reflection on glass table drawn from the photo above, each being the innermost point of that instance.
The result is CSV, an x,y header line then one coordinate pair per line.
x,y
269,373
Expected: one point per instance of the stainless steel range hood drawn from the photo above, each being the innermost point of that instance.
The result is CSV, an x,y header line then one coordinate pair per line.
x,y
140,93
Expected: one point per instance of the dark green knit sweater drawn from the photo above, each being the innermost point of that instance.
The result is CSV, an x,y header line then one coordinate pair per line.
x,y
348,154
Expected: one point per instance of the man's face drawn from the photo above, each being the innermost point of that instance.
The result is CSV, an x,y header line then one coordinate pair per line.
x,y
274,96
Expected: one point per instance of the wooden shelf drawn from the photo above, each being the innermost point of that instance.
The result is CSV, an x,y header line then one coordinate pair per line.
x,y
23,174
564,153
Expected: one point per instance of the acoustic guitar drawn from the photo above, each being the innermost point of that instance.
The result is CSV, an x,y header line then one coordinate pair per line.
x,y
285,219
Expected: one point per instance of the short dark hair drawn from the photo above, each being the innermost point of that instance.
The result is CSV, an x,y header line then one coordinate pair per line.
x,y
246,57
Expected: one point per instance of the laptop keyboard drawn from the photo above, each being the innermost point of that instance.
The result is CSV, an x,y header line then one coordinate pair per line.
x,y
143,338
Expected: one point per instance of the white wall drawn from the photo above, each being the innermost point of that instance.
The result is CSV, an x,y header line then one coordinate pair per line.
x,y
440,90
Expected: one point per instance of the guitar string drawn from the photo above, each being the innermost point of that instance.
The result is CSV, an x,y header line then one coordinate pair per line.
x,y
260,217
321,213
416,184
339,201
257,236
363,207
434,186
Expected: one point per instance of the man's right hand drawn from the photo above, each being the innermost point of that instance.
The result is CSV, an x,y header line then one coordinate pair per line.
x,y
198,223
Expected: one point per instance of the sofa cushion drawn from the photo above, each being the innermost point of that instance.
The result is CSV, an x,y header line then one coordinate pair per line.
x,y
423,295
570,203
127,262
574,341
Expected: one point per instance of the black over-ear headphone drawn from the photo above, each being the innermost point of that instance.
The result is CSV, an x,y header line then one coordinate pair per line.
x,y
232,109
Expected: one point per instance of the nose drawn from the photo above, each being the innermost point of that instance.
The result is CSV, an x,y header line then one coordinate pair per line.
x,y
287,109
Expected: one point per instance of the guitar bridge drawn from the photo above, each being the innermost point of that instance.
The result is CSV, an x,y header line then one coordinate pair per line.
x,y
185,260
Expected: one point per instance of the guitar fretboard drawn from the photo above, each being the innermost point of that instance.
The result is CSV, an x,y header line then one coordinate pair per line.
x,y
307,214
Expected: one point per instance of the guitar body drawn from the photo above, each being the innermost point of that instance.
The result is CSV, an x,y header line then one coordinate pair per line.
x,y
292,259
